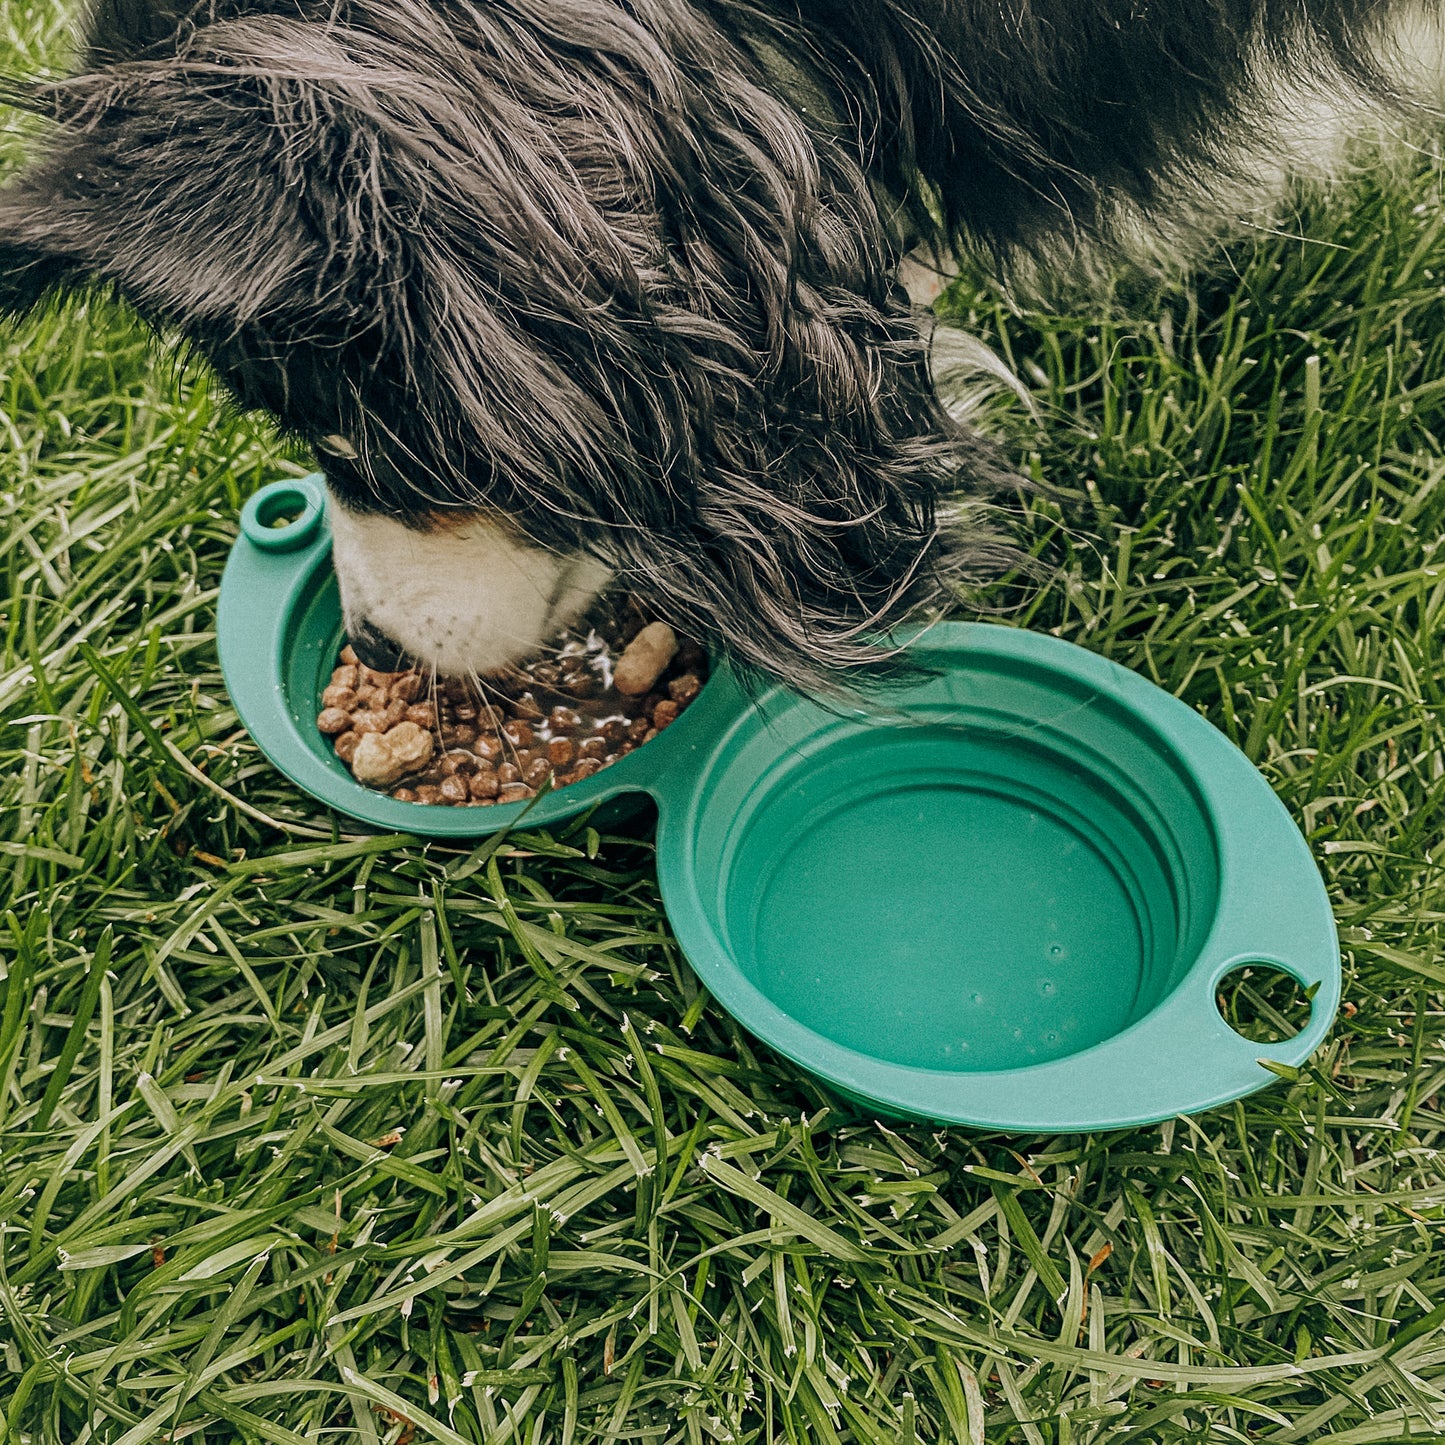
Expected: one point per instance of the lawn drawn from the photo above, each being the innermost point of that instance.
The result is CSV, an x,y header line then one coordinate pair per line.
x,y
311,1135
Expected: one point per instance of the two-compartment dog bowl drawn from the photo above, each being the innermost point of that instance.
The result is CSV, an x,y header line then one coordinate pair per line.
x,y
1011,908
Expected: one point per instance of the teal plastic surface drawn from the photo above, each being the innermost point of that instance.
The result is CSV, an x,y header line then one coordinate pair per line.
x,y
1005,899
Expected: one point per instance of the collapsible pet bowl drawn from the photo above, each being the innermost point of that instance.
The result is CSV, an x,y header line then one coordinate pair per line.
x,y
1005,898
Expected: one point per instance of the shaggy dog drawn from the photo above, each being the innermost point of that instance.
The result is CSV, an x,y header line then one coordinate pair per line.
x,y
563,290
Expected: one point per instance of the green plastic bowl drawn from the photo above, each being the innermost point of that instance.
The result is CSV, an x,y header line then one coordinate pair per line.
x,y
1011,908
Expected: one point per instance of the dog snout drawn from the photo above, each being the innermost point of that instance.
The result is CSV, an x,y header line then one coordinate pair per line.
x,y
376,650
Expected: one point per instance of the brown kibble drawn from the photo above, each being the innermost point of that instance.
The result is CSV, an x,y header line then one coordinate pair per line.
x,y
645,659
683,689
333,720
385,758
350,659
480,749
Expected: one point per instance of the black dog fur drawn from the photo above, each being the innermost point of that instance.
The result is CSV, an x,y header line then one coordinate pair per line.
x,y
624,272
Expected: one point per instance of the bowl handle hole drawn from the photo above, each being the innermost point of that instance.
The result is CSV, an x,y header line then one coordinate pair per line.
x,y
1263,1002
281,509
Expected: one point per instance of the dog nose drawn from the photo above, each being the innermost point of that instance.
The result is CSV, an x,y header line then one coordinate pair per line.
x,y
376,650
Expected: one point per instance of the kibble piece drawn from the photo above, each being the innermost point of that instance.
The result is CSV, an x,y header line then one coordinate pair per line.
x,y
458,762
489,748
345,677
348,656
423,714
665,713
428,793
561,751
683,689
645,659
514,793
403,795
333,720
483,787
343,697
406,687
614,730
346,746
394,712
584,685
527,707
537,772
369,695
639,729
518,733
509,773
368,721
593,748
585,767
383,759
564,720
454,790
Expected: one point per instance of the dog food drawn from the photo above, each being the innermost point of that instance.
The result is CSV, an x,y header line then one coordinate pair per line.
x,y
597,696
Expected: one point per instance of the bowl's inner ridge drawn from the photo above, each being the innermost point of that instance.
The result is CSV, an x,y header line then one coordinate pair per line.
x,y
1003,884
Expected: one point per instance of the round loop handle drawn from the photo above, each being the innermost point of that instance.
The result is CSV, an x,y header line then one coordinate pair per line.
x,y
284,515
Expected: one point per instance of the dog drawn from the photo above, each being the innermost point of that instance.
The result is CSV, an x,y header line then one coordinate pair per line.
x,y
563,292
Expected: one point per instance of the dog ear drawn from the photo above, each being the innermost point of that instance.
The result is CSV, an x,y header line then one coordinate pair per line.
x,y
161,180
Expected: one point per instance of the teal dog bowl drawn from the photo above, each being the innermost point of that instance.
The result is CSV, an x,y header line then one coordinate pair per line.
x,y
1006,900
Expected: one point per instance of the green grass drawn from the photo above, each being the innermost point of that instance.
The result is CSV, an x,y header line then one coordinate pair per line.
x,y
307,1135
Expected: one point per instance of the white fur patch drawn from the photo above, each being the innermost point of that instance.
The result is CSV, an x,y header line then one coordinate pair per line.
x,y
463,600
